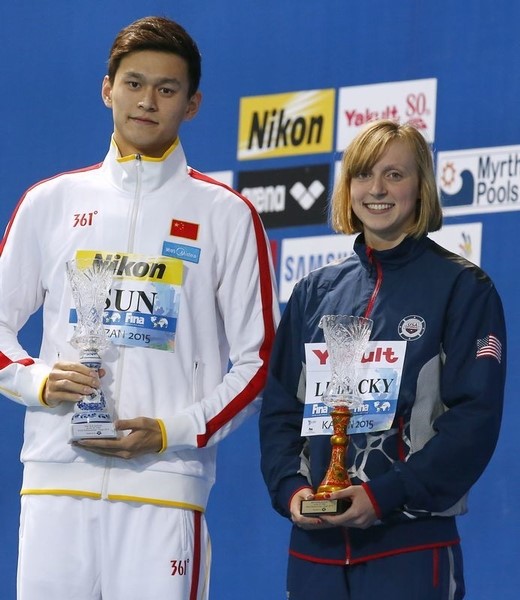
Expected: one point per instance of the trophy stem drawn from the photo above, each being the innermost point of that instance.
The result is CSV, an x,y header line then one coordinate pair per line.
x,y
90,358
336,478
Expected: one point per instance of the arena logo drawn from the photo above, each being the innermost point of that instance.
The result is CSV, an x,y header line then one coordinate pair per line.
x,y
413,101
273,198
479,180
287,197
286,124
306,197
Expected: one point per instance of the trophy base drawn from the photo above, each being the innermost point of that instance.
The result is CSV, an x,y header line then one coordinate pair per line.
x,y
318,508
92,429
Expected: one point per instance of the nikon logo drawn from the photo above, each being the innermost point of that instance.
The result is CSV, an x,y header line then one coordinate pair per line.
x,y
125,266
286,124
277,130
138,267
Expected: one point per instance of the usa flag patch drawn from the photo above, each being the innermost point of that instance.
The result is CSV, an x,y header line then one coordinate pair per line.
x,y
489,346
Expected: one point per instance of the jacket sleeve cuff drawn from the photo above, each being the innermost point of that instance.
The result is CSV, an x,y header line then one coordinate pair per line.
x,y
372,499
31,383
286,490
387,493
178,432
164,436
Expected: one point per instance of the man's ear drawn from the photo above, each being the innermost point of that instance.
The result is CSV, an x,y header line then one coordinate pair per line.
x,y
193,106
106,92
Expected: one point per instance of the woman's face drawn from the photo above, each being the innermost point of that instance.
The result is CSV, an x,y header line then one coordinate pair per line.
x,y
384,198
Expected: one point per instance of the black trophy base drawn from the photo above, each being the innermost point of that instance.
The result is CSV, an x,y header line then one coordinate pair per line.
x,y
318,508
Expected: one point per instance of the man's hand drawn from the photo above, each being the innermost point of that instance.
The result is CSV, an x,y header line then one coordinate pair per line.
x,y
68,382
145,437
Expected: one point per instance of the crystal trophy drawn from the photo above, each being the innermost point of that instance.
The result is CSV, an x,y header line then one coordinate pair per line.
x,y
90,281
346,338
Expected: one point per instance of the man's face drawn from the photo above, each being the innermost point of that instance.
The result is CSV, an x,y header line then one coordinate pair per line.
x,y
149,101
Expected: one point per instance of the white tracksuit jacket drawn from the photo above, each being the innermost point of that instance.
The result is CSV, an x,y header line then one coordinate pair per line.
x,y
131,209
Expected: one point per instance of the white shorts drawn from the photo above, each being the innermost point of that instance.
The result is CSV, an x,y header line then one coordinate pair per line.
x,y
84,549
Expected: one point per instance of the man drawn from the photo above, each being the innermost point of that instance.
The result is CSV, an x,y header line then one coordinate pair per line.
x,y
124,518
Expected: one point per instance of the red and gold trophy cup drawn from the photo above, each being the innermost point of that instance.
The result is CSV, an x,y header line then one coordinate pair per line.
x,y
346,338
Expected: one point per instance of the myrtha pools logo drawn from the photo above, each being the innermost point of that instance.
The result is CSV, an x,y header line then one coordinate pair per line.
x,y
480,180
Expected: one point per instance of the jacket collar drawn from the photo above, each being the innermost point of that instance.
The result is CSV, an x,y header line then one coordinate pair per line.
x,y
409,249
128,172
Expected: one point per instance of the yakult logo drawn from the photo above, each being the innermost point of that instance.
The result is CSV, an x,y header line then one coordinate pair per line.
x,y
405,101
374,355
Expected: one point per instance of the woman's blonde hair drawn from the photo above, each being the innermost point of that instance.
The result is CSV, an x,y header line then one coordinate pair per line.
x,y
362,154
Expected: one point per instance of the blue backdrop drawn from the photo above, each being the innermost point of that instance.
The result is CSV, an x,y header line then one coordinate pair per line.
x,y
53,120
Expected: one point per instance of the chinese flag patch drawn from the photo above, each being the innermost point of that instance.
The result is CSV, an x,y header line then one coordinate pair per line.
x,y
184,229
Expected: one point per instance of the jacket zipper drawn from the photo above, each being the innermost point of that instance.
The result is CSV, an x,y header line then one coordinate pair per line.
x,y
194,382
135,205
379,280
347,546
131,240
368,311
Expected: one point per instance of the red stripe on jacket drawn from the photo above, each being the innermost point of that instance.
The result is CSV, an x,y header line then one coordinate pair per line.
x,y
255,386
5,361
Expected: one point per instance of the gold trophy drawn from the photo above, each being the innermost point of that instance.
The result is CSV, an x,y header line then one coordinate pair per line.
x,y
346,338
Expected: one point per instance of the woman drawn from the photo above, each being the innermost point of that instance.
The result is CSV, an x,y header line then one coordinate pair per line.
x,y
399,537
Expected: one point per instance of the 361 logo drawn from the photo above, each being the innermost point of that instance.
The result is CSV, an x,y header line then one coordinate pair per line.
x,y
180,567
84,219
